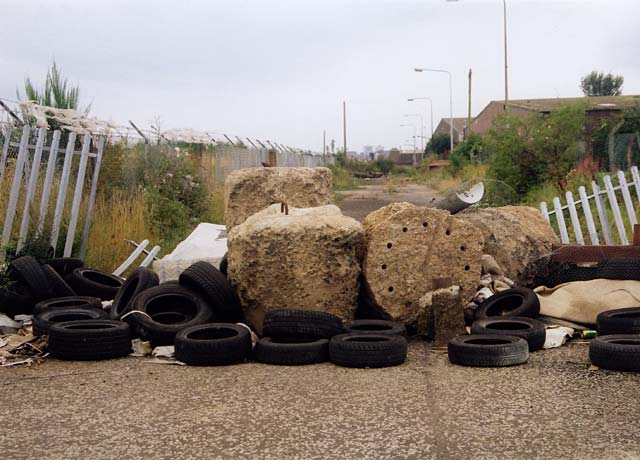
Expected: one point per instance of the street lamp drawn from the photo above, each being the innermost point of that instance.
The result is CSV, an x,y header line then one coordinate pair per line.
x,y
506,72
450,101
421,128
414,133
413,99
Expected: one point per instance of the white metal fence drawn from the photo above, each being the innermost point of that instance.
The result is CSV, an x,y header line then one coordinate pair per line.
x,y
594,202
71,167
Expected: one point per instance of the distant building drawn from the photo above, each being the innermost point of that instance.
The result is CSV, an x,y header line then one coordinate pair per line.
x,y
598,108
459,126
367,149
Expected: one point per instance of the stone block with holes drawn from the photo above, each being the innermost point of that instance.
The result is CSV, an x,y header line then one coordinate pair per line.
x,y
248,191
308,259
410,249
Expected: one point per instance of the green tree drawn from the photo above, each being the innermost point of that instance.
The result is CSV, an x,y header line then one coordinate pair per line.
x,y
598,84
57,92
527,152
470,150
438,144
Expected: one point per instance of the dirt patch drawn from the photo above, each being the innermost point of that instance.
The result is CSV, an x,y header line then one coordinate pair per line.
x,y
377,193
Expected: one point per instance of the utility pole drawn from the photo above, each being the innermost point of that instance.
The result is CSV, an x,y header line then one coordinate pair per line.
x,y
469,114
506,77
344,124
324,146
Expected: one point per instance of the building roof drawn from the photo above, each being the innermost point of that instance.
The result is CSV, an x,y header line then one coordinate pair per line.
x,y
459,123
593,103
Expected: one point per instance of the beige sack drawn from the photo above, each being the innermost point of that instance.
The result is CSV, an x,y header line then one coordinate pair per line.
x,y
582,301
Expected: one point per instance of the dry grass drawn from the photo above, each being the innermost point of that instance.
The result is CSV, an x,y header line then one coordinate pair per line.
x,y
116,217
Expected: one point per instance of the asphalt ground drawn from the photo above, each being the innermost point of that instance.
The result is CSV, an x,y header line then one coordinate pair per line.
x,y
553,407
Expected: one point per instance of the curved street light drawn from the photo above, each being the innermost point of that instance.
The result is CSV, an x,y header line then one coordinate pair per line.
x,y
417,69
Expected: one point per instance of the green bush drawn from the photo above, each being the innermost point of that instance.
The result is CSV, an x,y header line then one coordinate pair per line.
x,y
528,152
472,149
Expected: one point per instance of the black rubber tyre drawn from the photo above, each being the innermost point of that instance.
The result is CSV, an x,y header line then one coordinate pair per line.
x,y
620,268
559,273
65,265
224,264
618,352
207,280
488,351
367,350
43,322
375,326
620,321
531,330
86,281
140,280
15,300
291,352
215,344
89,340
510,302
81,302
29,273
301,324
165,310
58,286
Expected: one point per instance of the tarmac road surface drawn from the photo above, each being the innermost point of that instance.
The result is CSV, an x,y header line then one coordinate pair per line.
x,y
553,407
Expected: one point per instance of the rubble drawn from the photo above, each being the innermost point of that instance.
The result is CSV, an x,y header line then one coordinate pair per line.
x,y
248,191
518,237
412,251
306,260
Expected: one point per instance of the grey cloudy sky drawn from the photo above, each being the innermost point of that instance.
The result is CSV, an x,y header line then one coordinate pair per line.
x,y
279,69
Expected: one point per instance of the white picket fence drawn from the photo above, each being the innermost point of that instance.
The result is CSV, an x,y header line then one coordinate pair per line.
x,y
597,196
26,159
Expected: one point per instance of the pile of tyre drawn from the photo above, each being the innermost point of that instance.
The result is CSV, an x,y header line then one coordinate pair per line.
x,y
617,346
295,337
65,298
504,331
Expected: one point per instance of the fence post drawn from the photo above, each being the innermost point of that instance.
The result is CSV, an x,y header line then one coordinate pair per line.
x,y
5,151
62,191
77,196
31,188
564,235
48,179
575,222
586,209
626,196
617,217
602,214
23,153
92,199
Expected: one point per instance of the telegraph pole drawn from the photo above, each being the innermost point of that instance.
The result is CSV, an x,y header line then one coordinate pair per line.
x,y
344,125
469,114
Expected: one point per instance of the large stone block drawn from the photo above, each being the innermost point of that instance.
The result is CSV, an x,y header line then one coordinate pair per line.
x,y
308,260
412,251
248,191
518,238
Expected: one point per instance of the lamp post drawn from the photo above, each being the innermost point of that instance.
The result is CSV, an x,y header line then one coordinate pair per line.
x,y
414,134
421,128
506,67
450,101
413,99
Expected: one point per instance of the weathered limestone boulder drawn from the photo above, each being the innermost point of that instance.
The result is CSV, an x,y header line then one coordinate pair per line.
x,y
248,191
518,238
412,251
308,260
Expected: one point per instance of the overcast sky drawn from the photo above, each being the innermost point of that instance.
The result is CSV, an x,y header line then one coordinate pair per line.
x,y
280,69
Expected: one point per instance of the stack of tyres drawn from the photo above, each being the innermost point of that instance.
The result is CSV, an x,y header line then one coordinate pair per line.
x,y
296,337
